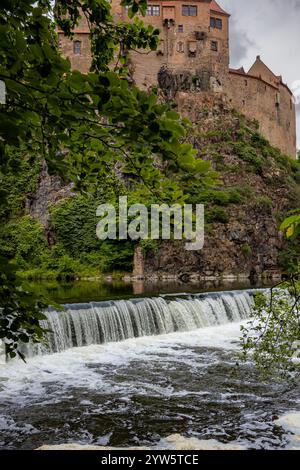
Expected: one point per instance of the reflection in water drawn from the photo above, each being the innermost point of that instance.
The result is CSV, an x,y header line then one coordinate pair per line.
x,y
85,291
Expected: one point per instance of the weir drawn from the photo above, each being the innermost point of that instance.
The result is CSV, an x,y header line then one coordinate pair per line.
x,y
112,321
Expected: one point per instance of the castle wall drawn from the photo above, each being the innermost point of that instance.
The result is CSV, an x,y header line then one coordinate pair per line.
x,y
273,107
79,61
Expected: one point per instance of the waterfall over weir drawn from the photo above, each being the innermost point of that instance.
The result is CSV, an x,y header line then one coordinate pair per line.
x,y
112,321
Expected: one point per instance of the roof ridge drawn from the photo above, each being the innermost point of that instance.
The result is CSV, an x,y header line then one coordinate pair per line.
x,y
216,7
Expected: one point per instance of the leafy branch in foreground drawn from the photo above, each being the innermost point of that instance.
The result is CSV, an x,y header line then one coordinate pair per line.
x,y
291,225
272,337
20,314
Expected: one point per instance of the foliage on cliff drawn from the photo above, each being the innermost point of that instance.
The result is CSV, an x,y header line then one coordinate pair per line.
x,y
259,187
244,196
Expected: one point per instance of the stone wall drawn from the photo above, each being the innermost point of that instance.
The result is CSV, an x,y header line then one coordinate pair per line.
x,y
273,107
81,60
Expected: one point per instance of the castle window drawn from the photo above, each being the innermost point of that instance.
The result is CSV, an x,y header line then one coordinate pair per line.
x,y
180,47
216,23
153,10
77,47
189,10
246,82
180,28
214,46
192,48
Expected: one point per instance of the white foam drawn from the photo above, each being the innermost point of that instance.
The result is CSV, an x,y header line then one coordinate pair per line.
x,y
73,367
290,422
173,442
8,424
178,442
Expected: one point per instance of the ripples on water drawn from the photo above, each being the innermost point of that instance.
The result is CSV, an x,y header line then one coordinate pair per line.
x,y
141,390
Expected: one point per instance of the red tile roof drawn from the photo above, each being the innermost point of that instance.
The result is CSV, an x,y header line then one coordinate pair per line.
x,y
241,70
215,7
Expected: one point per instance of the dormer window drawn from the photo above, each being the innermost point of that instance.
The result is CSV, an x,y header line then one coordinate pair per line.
x,y
216,23
189,10
153,10
77,47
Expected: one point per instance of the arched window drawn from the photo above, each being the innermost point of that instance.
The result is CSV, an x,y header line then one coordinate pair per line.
x,y
77,47
180,46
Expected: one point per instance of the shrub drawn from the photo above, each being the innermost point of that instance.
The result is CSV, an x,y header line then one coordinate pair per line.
x,y
217,214
264,202
21,178
74,223
289,257
248,154
149,246
246,249
24,240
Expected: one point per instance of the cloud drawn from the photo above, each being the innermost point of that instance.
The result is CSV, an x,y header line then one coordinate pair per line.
x,y
240,44
269,28
295,87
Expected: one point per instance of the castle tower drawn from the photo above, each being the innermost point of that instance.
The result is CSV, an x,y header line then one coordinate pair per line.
x,y
194,38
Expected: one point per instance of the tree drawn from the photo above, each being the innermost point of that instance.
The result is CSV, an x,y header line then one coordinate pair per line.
x,y
83,126
291,225
272,336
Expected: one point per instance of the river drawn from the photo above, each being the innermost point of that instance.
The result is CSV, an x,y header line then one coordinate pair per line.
x,y
167,366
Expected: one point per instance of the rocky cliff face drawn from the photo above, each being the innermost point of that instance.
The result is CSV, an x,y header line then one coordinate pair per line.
x,y
51,189
243,215
246,241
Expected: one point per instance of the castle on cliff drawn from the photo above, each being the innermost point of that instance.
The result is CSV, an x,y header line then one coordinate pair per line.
x,y
192,63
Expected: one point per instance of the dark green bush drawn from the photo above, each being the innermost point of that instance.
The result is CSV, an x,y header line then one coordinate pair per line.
x,y
217,214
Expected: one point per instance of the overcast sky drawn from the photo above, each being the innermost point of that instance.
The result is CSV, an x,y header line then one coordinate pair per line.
x,y
271,29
